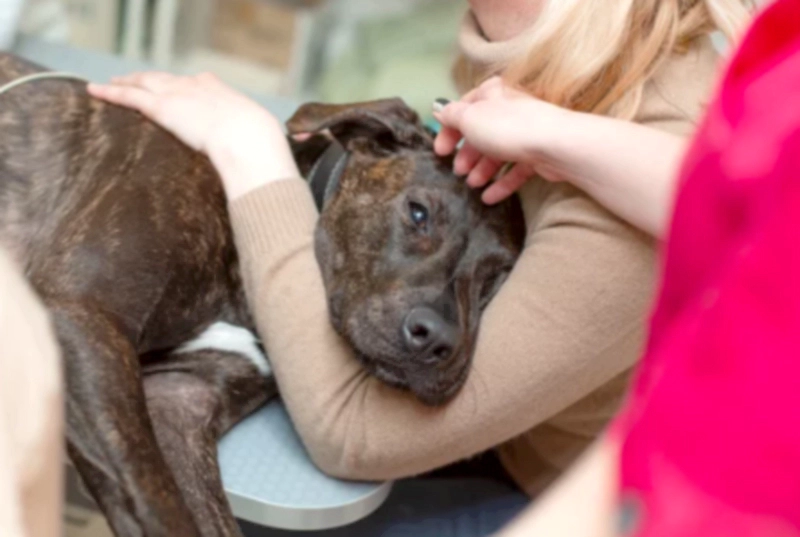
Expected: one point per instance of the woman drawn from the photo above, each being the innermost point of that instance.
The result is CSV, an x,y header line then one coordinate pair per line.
x,y
558,341
708,443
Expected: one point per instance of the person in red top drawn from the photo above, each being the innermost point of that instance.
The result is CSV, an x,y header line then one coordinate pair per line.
x,y
711,434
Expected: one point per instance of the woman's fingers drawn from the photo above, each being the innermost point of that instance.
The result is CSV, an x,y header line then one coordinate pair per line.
x,y
451,115
453,118
483,172
490,120
446,141
492,88
156,82
209,78
129,96
507,184
466,159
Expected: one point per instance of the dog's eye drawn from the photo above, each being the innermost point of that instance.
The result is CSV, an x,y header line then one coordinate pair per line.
x,y
419,214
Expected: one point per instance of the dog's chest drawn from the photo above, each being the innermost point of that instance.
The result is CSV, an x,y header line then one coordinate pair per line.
x,y
226,337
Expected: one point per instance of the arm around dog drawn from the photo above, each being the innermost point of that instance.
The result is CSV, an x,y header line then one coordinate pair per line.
x,y
568,321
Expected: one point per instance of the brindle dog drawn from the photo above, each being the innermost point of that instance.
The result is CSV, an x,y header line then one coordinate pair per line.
x,y
123,232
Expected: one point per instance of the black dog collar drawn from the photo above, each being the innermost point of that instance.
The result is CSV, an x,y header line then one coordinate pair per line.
x,y
327,172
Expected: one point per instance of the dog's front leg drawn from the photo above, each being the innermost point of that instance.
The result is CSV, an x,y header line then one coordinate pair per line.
x,y
193,399
109,435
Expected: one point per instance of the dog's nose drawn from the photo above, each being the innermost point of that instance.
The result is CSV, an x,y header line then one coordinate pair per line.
x,y
429,334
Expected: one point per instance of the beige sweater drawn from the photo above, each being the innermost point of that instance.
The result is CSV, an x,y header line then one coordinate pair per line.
x,y
555,344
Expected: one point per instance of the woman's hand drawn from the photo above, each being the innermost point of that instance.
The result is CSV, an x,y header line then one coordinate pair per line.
x,y
629,168
243,140
500,125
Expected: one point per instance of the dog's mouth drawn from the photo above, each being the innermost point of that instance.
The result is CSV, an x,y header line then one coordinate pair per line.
x,y
432,386
398,341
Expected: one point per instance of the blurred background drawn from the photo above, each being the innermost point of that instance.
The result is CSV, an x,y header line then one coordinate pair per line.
x,y
332,50
281,52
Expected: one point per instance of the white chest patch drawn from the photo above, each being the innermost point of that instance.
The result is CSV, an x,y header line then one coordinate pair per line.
x,y
227,337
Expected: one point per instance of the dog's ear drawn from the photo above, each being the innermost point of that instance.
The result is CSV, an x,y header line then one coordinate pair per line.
x,y
387,122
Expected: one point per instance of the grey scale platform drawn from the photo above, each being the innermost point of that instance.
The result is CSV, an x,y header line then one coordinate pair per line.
x,y
271,481
267,474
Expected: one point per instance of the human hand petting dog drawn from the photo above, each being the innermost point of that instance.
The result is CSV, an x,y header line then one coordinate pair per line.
x,y
499,125
605,157
629,168
244,141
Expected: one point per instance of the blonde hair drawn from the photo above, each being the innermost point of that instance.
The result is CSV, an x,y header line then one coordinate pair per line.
x,y
596,55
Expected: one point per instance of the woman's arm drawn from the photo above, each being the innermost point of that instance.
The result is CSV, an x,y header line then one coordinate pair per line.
x,y
607,158
570,317
619,183
568,320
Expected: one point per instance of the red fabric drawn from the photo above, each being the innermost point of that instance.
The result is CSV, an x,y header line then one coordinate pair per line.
x,y
711,432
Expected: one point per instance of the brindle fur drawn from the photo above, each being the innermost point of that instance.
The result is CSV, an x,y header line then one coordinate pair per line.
x,y
123,232
377,266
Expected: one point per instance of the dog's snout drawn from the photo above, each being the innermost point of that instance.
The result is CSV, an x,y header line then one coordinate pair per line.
x,y
429,334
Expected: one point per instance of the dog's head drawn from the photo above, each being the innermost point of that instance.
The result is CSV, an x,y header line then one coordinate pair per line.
x,y
409,254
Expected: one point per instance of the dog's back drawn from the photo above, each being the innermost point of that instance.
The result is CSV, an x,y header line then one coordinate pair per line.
x,y
96,200
123,232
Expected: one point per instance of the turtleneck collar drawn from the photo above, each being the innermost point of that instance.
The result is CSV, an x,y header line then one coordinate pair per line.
x,y
489,56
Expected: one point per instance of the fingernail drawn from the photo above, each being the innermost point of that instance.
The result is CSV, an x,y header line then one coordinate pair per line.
x,y
439,104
